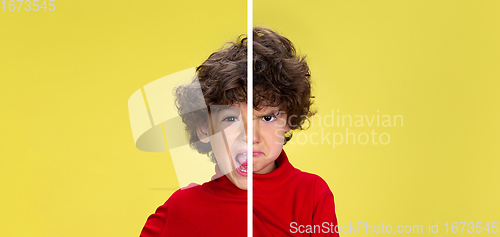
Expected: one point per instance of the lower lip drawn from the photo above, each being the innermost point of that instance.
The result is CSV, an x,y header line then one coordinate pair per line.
x,y
241,172
257,153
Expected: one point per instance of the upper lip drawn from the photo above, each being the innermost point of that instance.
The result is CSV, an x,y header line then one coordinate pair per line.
x,y
241,151
246,151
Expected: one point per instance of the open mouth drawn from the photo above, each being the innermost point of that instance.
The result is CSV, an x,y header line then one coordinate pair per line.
x,y
241,163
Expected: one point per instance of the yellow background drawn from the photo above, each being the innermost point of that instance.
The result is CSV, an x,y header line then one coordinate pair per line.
x,y
69,166
434,62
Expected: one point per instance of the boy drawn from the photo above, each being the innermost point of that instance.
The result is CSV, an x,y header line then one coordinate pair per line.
x,y
286,201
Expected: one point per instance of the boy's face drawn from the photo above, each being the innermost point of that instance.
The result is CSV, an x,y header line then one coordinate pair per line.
x,y
226,132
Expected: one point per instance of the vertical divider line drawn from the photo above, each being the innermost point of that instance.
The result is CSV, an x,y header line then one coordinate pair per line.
x,y
250,117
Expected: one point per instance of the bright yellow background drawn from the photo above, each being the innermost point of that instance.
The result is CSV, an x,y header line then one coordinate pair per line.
x,y
434,62
69,166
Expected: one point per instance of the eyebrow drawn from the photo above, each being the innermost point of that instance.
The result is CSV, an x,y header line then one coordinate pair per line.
x,y
223,109
271,113
224,112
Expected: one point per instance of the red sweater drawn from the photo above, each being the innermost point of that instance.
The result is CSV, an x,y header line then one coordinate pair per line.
x,y
286,202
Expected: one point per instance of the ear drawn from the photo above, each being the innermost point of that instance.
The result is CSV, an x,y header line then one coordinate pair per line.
x,y
202,132
287,128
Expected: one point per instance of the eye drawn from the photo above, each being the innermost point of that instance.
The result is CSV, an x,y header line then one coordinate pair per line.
x,y
268,118
230,119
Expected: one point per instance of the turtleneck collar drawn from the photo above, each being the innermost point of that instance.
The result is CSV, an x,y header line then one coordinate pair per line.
x,y
276,178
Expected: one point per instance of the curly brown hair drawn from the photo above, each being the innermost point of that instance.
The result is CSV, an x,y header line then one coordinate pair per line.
x,y
281,79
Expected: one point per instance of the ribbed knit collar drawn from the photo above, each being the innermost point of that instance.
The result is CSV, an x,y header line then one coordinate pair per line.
x,y
270,181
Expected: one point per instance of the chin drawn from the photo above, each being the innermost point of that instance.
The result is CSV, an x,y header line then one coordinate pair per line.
x,y
238,178
242,186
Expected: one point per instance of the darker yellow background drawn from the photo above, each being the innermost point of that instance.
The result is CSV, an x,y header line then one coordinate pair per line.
x,y
436,63
69,166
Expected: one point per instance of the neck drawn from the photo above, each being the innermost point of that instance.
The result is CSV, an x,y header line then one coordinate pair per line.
x,y
268,169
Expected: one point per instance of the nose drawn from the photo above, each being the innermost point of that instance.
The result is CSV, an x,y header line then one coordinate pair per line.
x,y
256,131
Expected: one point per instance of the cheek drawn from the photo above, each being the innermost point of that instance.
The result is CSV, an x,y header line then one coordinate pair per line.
x,y
274,133
219,147
223,140
231,132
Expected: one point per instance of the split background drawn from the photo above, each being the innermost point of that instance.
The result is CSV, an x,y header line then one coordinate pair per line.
x,y
69,166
